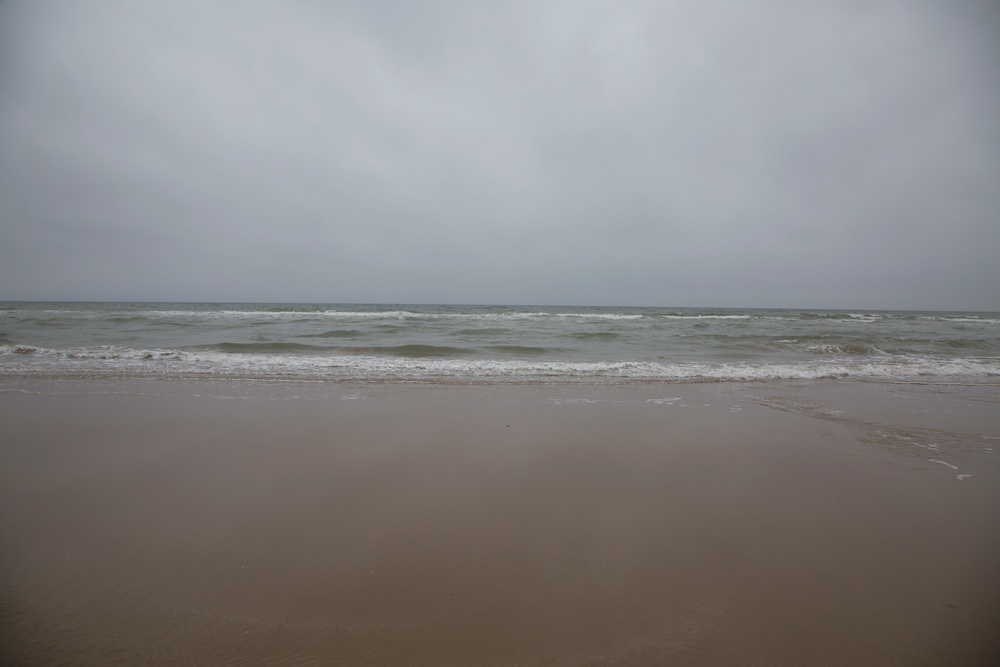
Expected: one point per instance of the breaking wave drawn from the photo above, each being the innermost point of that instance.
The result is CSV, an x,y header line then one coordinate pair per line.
x,y
492,343
438,363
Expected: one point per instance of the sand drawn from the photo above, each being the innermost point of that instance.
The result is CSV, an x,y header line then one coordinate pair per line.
x,y
206,523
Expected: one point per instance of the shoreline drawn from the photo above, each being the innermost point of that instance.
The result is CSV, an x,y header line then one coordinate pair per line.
x,y
117,377
776,522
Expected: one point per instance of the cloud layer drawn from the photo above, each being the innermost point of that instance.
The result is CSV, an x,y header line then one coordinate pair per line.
x,y
832,154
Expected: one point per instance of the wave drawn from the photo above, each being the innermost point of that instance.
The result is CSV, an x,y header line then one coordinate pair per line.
x,y
527,350
335,333
336,314
140,315
600,316
594,335
967,319
969,344
484,331
850,317
707,317
267,347
844,349
412,350
436,363
98,353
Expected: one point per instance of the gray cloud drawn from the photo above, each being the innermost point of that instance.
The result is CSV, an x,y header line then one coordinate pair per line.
x,y
833,154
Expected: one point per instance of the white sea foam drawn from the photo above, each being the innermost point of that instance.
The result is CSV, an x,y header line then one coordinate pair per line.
x,y
283,314
707,317
600,316
953,467
28,360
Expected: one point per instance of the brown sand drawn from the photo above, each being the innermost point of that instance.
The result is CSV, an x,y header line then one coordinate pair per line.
x,y
292,524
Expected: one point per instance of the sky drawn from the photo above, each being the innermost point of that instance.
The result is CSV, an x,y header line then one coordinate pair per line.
x,y
776,153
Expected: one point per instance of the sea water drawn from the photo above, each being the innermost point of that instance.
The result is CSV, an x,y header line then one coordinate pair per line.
x,y
455,343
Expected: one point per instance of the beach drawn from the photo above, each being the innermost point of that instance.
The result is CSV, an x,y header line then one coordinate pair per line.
x,y
376,523
510,334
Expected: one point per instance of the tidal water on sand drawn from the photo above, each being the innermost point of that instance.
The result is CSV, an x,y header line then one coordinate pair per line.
x,y
452,343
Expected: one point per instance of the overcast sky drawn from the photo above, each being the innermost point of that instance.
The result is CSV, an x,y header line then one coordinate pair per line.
x,y
840,154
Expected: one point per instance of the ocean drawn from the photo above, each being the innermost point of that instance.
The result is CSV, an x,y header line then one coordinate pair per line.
x,y
492,344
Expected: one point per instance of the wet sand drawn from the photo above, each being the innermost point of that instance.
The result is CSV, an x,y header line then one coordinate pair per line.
x,y
221,523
